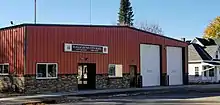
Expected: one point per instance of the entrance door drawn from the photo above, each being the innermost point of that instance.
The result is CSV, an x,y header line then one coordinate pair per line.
x,y
133,75
86,76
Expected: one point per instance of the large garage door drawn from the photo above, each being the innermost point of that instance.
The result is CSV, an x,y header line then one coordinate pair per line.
x,y
150,64
174,65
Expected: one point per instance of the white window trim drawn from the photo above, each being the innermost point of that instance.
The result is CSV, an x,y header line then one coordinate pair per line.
x,y
47,71
3,67
116,71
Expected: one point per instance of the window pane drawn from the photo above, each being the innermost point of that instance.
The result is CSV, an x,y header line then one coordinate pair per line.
x,y
80,74
196,71
52,70
1,68
111,71
41,70
5,69
211,73
205,73
196,74
204,67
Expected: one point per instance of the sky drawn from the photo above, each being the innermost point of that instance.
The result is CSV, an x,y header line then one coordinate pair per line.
x,y
177,18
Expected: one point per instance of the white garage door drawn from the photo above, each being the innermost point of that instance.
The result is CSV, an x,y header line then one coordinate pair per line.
x,y
174,65
150,64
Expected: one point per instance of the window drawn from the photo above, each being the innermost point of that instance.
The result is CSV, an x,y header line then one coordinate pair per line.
x,y
4,69
46,70
196,71
115,70
204,67
205,73
211,73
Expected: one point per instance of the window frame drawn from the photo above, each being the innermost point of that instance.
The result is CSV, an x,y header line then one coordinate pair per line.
x,y
116,73
3,67
47,77
196,71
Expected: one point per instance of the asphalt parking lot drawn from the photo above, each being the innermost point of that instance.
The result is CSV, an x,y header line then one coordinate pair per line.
x,y
158,99
178,95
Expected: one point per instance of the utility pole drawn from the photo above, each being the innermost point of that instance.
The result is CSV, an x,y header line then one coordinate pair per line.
x,y
90,11
35,11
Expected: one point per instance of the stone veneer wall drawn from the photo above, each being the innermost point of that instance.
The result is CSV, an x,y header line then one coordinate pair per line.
x,y
104,82
11,83
64,83
5,83
68,83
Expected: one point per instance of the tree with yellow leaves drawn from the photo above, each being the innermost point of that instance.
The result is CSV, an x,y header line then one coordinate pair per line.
x,y
213,29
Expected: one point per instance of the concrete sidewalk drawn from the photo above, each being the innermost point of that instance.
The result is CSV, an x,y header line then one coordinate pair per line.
x,y
159,89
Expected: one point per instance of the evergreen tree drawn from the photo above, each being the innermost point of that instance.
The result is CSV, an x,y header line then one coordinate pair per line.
x,y
126,13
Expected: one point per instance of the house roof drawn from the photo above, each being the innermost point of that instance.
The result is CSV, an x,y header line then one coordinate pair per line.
x,y
206,42
196,52
202,49
70,25
211,50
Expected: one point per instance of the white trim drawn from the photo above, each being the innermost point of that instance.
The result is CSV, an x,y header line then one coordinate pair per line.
x,y
3,68
117,72
4,63
47,71
198,60
205,63
198,42
4,73
201,61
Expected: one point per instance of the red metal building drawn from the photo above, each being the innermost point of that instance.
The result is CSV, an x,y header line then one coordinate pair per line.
x,y
32,49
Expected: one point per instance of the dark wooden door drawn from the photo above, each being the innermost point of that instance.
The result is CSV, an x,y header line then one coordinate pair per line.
x,y
91,76
86,76
133,75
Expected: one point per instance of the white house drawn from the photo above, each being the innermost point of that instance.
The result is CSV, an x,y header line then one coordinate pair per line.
x,y
203,60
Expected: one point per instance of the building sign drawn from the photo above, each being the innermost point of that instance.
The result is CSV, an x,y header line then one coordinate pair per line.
x,y
85,48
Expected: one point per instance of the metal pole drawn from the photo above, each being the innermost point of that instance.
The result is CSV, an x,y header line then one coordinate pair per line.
x,y
35,11
90,12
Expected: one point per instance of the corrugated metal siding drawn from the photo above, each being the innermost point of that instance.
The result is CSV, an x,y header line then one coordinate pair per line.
x,y
45,44
12,49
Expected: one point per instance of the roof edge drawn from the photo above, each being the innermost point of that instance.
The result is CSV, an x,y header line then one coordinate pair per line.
x,y
32,24
157,35
14,26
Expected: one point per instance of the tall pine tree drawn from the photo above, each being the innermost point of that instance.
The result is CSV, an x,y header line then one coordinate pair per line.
x,y
126,13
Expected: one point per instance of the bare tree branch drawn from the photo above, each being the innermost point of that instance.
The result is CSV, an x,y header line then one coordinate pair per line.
x,y
154,28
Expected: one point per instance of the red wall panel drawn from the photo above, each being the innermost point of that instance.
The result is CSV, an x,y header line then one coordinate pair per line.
x,y
45,44
12,48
